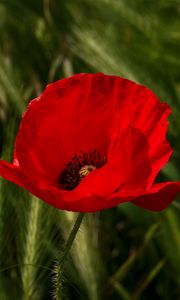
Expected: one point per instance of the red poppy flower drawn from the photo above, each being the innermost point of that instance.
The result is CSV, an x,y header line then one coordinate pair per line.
x,y
91,142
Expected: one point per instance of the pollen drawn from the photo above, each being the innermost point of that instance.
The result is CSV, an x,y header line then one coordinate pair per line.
x,y
85,170
79,167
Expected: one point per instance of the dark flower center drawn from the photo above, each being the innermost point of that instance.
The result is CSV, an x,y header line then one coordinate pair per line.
x,y
79,167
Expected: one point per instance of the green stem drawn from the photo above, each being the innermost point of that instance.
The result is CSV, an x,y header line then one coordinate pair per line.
x,y
61,262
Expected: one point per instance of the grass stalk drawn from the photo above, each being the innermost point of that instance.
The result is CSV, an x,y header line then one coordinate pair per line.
x,y
30,257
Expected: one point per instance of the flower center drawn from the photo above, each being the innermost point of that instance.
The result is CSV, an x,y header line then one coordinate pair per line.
x,y
84,171
79,167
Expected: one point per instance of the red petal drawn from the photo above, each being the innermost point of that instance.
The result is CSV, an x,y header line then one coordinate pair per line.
x,y
71,201
155,199
72,115
128,164
159,196
140,108
150,116
10,172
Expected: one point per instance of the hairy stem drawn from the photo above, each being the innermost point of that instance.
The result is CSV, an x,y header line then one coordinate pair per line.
x,y
62,259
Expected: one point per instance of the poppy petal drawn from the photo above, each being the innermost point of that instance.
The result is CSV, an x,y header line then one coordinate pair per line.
x,y
10,172
146,113
70,117
150,116
159,196
65,200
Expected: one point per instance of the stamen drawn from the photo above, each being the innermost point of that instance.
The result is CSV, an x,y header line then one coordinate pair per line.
x,y
79,167
84,171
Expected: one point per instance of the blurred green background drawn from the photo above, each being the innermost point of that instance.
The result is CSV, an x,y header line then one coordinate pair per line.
x,y
123,253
